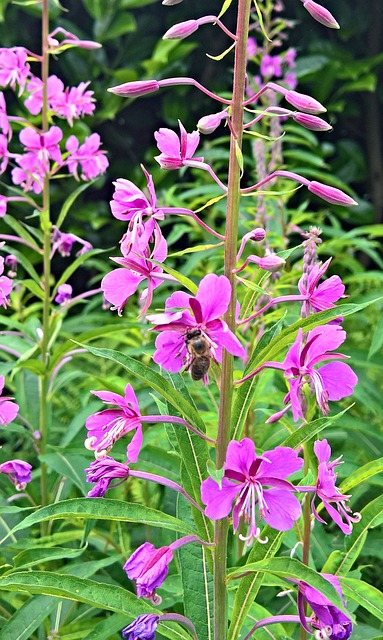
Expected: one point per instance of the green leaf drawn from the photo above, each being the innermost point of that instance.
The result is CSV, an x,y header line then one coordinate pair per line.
x,y
377,339
364,594
20,230
223,54
372,516
156,382
249,586
95,594
71,467
32,286
308,431
177,275
75,265
195,249
291,568
26,619
105,509
362,474
32,557
225,7
70,200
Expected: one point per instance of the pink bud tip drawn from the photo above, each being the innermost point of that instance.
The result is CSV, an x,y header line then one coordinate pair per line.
x,y
170,3
304,103
270,262
311,122
320,14
208,124
181,30
135,89
331,194
258,234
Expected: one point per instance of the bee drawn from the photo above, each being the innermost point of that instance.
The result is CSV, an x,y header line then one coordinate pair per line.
x,y
199,356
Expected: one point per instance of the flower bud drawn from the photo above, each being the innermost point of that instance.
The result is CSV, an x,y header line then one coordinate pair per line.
x,y
320,14
331,194
208,124
311,122
257,235
270,262
304,103
64,293
181,30
135,89
170,3
11,262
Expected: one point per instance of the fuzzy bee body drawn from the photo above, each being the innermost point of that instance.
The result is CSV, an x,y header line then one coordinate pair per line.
x,y
199,354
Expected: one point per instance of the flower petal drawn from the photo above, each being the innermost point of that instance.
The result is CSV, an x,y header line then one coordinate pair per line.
x,y
283,509
339,380
218,500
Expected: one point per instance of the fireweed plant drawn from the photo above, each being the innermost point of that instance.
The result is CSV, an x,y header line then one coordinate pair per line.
x,y
237,503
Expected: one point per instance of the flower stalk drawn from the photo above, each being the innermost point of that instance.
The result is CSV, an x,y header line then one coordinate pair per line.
x,y
230,251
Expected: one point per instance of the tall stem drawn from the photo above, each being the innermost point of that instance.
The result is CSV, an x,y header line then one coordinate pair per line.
x,y
306,527
46,228
232,214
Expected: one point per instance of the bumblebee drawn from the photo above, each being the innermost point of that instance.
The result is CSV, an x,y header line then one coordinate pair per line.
x,y
199,356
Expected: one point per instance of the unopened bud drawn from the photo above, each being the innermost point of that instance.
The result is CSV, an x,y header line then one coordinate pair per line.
x,y
257,234
64,293
11,262
320,14
208,124
311,122
135,89
181,30
331,194
303,102
170,3
270,262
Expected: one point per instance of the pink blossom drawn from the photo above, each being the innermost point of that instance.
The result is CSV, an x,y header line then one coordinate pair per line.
x,y
18,471
69,40
271,66
41,148
243,484
74,102
4,122
3,153
3,205
199,315
29,179
88,155
176,150
34,102
8,409
327,491
319,296
109,425
14,69
64,293
329,621
102,471
137,267
5,289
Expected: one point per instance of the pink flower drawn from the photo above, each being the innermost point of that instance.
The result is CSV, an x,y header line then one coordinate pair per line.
x,y
3,153
29,179
74,102
4,122
176,150
69,40
137,266
14,69
332,381
5,290
89,155
330,621
8,409
108,426
327,491
319,296
34,102
18,471
41,148
243,484
149,567
197,317
3,205
64,294
271,66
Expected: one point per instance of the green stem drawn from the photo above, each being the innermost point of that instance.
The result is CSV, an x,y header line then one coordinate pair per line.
x,y
46,228
306,526
226,396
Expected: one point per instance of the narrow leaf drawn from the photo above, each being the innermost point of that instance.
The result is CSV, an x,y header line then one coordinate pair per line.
x,y
365,595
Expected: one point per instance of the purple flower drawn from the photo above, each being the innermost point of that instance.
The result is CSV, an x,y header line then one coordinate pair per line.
x,y
64,293
271,66
326,617
319,296
137,266
8,409
18,471
175,150
243,484
327,491
88,155
108,426
332,381
40,147
14,69
142,628
5,290
201,314
149,567
102,472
